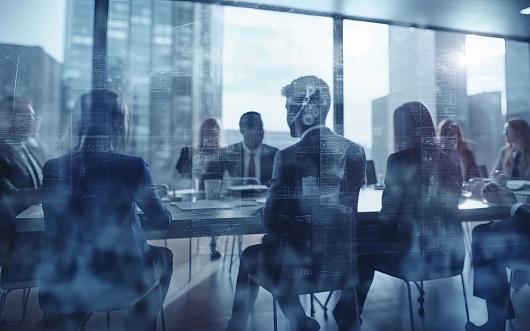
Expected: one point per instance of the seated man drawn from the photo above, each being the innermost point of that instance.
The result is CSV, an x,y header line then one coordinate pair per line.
x,y
495,245
320,158
20,181
249,158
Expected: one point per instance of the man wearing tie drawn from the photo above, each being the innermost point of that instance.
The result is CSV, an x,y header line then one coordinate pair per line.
x,y
250,158
20,169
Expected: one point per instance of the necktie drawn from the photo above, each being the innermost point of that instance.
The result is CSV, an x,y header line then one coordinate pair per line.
x,y
251,166
33,167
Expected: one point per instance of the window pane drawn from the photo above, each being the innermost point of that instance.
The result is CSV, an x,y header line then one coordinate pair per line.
x,y
457,76
264,51
35,66
365,84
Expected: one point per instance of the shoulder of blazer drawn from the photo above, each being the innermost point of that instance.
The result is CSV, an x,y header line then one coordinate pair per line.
x,y
268,150
523,212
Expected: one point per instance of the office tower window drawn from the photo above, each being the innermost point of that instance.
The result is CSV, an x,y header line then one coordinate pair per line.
x,y
264,51
34,63
365,80
484,62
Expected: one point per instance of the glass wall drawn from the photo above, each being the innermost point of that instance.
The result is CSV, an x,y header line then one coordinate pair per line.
x,y
457,76
177,63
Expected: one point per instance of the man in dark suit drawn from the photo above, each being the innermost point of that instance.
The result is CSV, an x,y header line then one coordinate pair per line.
x,y
495,245
249,158
20,167
323,168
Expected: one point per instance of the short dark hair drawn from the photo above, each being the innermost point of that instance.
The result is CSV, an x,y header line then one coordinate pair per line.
x,y
250,119
298,89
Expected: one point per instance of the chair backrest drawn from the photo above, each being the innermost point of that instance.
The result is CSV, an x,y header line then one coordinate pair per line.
x,y
483,171
328,259
371,177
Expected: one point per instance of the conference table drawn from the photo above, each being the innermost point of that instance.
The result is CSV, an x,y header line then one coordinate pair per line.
x,y
244,216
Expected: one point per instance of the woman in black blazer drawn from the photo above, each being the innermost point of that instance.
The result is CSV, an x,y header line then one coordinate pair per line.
x,y
418,231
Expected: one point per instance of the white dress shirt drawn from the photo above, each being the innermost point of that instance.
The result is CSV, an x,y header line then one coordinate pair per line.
x,y
257,160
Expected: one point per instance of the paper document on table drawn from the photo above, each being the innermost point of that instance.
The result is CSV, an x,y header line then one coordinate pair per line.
x,y
202,204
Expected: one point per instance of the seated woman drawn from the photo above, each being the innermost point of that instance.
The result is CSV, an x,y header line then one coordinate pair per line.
x,y
192,163
514,157
94,250
449,131
495,245
418,235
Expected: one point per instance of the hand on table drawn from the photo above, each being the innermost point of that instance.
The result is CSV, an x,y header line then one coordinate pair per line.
x,y
496,194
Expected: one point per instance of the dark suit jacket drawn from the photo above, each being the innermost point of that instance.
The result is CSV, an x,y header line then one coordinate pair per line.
x,y
94,241
14,176
420,202
231,159
323,168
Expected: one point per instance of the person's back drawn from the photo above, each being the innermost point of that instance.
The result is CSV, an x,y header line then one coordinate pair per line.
x,y
420,201
322,169
95,256
91,218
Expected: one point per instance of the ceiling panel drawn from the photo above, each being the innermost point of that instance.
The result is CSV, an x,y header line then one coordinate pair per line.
x,y
499,18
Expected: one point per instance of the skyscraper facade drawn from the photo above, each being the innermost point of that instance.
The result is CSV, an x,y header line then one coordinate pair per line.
x,y
164,58
24,71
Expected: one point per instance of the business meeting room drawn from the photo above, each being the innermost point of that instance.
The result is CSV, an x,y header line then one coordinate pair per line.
x,y
286,165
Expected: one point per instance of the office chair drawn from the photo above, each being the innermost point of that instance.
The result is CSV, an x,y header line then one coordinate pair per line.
x,y
50,302
483,171
238,181
330,263
418,270
10,286
371,177
18,273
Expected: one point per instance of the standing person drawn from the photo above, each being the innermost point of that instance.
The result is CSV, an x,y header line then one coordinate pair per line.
x,y
448,131
417,229
94,245
20,167
514,157
250,158
495,245
307,104
192,162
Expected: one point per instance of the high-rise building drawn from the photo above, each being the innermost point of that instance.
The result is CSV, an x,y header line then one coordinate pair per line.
x,y
28,71
164,58
485,127
424,67
381,142
517,62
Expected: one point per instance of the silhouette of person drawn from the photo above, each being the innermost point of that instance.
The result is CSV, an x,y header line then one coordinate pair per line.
x,y
192,163
514,157
20,167
250,158
298,168
495,245
94,249
450,130
418,236
194,160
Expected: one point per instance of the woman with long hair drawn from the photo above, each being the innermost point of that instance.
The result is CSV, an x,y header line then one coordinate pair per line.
x,y
419,235
93,237
192,162
451,137
514,157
